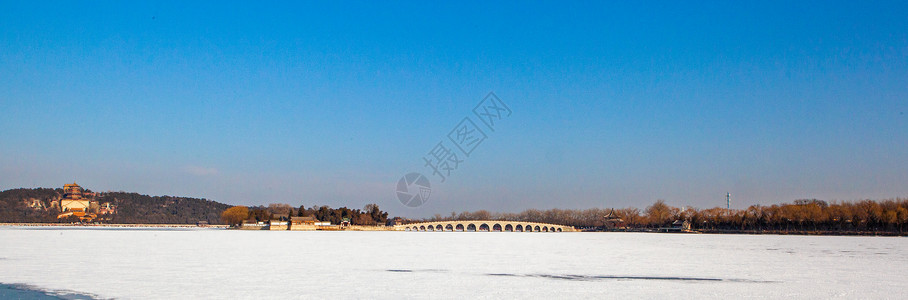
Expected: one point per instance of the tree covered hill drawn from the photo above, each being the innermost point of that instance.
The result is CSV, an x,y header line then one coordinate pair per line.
x,y
134,208
35,205
15,205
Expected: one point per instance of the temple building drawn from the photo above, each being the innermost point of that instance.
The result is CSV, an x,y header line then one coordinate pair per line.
x,y
74,204
72,199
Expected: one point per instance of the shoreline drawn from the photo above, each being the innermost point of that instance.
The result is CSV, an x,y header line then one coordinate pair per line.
x,y
808,232
112,225
379,228
769,232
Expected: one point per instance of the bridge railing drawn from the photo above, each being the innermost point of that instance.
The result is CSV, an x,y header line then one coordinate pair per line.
x,y
490,223
484,221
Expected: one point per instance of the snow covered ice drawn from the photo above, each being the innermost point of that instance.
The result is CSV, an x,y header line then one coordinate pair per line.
x,y
208,263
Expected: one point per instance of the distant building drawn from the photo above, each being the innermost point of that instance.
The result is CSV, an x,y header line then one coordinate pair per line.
x,y
681,225
677,226
35,204
254,225
279,224
74,204
303,223
397,221
73,200
612,221
107,208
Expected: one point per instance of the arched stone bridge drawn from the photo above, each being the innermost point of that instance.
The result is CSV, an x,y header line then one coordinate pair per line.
x,y
484,225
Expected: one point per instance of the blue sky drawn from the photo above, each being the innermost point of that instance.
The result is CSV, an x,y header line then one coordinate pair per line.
x,y
614,104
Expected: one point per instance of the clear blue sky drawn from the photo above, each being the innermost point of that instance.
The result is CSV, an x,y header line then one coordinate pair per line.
x,y
614,104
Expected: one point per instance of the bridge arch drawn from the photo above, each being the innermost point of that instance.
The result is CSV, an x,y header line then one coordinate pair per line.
x,y
484,226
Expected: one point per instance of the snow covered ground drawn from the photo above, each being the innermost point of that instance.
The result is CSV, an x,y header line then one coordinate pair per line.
x,y
207,263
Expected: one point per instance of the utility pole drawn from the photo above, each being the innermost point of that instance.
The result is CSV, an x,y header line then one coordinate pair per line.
x,y
727,200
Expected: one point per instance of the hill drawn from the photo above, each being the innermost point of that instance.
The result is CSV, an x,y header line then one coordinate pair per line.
x,y
37,205
28,205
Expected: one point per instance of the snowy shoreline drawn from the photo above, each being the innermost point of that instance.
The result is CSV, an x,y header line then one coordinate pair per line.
x,y
112,225
713,232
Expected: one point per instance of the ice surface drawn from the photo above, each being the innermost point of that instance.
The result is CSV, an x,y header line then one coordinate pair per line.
x,y
207,263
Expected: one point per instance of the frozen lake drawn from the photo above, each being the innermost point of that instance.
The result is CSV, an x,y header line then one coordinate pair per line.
x,y
207,263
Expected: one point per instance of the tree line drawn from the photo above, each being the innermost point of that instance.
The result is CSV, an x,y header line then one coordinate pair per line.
x,y
890,215
804,215
371,214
